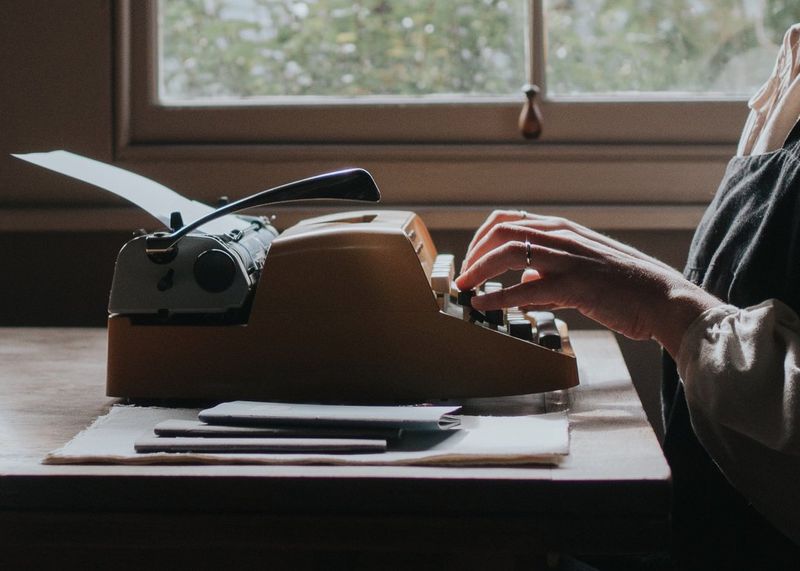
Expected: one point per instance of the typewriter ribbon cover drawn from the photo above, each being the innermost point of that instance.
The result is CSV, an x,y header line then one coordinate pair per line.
x,y
337,308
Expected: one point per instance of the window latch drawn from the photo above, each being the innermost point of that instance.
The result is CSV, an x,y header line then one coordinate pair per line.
x,y
530,119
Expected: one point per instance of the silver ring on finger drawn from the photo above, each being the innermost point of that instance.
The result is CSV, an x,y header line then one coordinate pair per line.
x,y
523,214
527,253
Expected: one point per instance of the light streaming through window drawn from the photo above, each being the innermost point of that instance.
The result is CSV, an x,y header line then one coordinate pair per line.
x,y
228,50
712,47
222,49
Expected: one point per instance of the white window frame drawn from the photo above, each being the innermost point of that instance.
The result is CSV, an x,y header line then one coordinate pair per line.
x,y
441,157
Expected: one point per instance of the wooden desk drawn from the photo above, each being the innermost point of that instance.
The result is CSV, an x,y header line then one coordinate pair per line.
x,y
610,496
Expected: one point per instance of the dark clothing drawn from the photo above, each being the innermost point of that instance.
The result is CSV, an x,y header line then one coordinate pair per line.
x,y
746,250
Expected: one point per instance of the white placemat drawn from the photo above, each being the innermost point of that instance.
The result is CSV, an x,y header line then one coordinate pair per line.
x,y
483,440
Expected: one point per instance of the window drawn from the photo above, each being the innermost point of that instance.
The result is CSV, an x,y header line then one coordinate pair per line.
x,y
678,49
224,51
452,71
642,101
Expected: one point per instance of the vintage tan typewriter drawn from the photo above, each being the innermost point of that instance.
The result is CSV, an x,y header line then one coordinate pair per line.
x,y
356,306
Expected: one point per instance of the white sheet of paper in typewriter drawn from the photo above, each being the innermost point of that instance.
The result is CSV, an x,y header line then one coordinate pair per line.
x,y
149,195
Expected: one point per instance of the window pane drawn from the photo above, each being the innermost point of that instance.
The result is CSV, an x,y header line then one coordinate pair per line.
x,y
223,49
721,47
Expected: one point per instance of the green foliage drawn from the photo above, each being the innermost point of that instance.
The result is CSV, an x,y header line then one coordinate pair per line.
x,y
248,48
611,46
243,48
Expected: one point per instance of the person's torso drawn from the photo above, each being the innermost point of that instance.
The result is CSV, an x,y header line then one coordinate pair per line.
x,y
745,250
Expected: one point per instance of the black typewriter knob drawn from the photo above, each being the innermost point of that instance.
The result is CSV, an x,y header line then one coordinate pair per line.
x,y
214,270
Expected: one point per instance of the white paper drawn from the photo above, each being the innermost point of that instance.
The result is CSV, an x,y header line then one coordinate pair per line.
x,y
275,413
150,196
482,441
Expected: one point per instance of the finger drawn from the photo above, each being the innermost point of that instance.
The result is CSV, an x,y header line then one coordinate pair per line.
x,y
541,307
499,234
553,223
498,217
540,293
505,232
495,218
562,225
511,255
544,222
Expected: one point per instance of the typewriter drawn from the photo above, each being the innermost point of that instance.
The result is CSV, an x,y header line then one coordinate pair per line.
x,y
356,306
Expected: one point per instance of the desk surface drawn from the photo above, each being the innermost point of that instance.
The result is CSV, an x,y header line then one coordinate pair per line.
x,y
611,494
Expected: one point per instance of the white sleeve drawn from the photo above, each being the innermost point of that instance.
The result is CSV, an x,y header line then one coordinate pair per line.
x,y
741,373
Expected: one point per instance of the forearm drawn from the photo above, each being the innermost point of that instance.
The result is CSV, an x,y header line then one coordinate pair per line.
x,y
675,309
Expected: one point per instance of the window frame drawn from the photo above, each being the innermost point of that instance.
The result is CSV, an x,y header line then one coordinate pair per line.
x,y
381,120
428,154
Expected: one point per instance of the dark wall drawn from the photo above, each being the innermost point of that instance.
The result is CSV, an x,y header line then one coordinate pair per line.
x,y
55,93
57,278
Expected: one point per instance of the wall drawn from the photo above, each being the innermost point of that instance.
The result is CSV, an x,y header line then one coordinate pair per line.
x,y
56,93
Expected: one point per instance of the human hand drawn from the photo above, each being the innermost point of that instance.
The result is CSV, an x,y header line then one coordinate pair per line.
x,y
550,224
575,267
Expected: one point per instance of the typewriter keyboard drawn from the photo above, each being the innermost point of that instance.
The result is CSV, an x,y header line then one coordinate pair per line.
x,y
541,327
